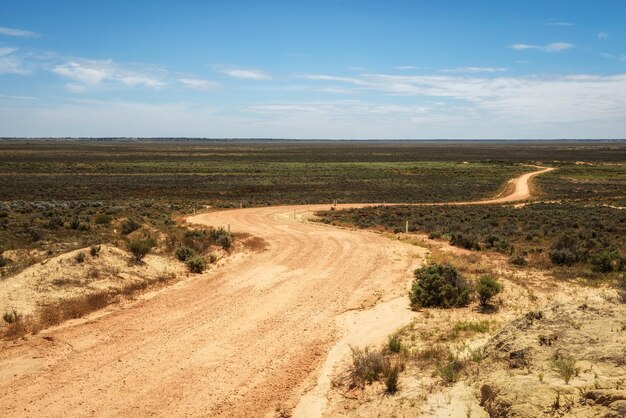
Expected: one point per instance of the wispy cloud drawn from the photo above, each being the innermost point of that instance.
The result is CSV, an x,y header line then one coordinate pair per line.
x,y
559,23
475,70
603,35
199,84
18,32
11,64
86,73
530,98
6,96
407,67
246,74
553,47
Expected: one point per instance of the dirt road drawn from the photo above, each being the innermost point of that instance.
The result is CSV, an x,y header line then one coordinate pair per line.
x,y
238,341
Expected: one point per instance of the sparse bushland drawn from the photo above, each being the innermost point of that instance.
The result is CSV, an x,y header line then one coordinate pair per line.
x,y
139,248
440,286
487,287
592,235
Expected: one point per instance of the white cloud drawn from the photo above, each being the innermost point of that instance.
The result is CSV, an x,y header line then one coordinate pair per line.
x,y
247,74
475,70
406,67
553,47
10,64
6,96
199,84
571,98
18,32
89,73
559,23
603,35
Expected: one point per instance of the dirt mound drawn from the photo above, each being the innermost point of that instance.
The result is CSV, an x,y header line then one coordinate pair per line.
x,y
567,360
64,277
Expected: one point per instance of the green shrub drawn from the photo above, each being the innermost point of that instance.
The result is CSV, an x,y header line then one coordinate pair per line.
x,y
212,258
518,260
450,369
394,343
440,285
103,219
184,253
3,261
469,242
565,366
94,250
565,251
140,248
605,262
487,287
128,226
196,264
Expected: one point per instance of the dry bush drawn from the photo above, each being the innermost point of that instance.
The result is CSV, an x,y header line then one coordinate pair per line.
x,y
367,366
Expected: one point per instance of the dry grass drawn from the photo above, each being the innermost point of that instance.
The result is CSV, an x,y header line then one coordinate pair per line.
x,y
76,307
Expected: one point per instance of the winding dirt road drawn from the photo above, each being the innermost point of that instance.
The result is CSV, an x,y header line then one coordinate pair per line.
x,y
241,340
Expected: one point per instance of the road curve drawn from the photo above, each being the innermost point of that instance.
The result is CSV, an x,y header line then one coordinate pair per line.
x,y
237,341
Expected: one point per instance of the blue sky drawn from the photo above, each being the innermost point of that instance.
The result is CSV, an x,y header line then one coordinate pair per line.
x,y
313,69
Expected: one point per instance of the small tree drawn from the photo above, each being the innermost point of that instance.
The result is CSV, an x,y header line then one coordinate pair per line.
x,y
140,248
440,285
487,287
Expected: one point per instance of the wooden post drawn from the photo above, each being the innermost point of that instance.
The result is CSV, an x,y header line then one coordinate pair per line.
x,y
229,228
406,229
294,214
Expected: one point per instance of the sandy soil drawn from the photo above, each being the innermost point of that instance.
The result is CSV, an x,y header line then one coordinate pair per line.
x,y
244,340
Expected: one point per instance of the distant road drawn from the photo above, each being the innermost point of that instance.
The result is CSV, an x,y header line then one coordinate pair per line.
x,y
237,341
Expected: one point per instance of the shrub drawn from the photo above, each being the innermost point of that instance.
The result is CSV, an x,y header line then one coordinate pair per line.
x,y
212,258
140,248
391,374
3,261
196,264
565,366
605,262
12,317
450,369
621,289
128,226
367,366
565,250
94,250
184,253
518,260
440,285
469,242
103,219
487,287
394,344
80,257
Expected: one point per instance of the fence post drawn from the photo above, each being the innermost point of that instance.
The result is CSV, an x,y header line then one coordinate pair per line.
x,y
406,229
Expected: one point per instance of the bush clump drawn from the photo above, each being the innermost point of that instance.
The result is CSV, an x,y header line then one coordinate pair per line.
x,y
196,264
184,253
487,287
606,262
440,285
94,250
128,226
565,251
103,219
139,248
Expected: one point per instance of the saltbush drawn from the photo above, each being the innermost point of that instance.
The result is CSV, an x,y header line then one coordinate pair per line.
x,y
487,287
184,253
196,264
440,285
139,248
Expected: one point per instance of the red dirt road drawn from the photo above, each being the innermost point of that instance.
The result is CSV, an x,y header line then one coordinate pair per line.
x,y
236,341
